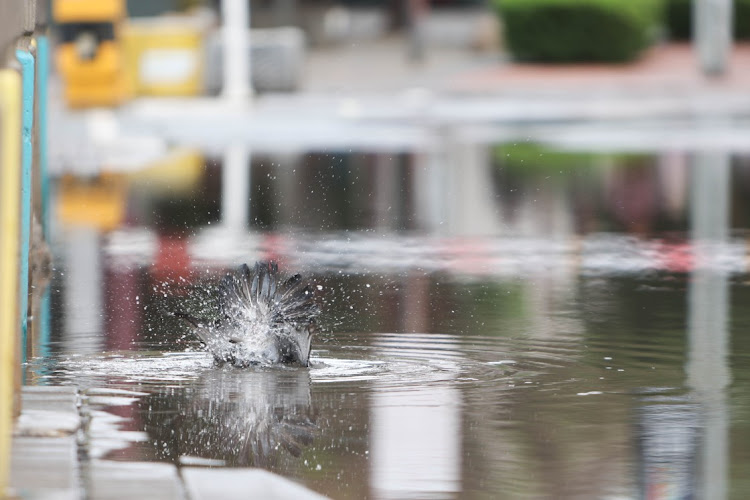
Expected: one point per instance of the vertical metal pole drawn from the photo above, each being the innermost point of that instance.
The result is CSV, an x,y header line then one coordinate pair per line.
x,y
417,11
285,12
235,35
27,154
10,201
712,34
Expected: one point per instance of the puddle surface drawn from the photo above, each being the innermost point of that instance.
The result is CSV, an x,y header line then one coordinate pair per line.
x,y
585,346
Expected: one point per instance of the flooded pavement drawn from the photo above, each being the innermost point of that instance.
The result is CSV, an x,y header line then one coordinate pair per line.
x,y
534,324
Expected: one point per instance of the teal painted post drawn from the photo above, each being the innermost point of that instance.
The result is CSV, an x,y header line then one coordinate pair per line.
x,y
27,125
42,81
42,85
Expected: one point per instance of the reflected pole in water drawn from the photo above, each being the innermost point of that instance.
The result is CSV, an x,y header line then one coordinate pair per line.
x,y
237,90
416,442
707,367
123,310
387,202
709,203
287,183
712,34
235,188
83,292
416,303
429,178
415,439
455,201
471,208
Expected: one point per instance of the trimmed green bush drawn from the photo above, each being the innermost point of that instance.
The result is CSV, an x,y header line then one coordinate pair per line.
x,y
742,19
679,19
534,159
579,30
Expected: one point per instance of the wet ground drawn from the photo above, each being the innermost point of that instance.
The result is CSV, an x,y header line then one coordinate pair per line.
x,y
512,322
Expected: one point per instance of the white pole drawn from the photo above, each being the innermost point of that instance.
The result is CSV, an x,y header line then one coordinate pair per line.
x,y
709,299
712,34
83,299
236,49
235,187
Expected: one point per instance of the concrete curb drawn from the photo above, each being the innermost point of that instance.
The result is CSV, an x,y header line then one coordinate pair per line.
x,y
47,462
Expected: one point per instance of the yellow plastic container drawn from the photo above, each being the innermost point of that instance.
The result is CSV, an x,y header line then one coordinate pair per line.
x,y
82,11
99,203
104,68
97,82
97,78
164,57
178,172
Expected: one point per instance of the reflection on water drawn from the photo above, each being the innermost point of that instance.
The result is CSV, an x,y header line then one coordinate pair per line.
x,y
240,418
566,328
416,443
668,432
707,368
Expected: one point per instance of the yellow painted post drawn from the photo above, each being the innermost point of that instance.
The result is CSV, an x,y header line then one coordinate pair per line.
x,y
10,221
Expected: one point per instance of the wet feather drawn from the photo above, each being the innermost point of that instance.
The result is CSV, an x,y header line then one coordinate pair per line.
x,y
263,320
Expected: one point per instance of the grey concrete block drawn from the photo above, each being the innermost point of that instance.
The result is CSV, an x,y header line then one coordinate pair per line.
x,y
45,467
231,484
128,480
48,411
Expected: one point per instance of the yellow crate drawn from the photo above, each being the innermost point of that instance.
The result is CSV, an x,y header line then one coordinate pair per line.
x,y
96,94
98,82
80,11
104,68
164,58
178,172
99,203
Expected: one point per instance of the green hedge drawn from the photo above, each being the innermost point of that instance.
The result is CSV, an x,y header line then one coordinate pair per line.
x,y
679,19
579,30
534,159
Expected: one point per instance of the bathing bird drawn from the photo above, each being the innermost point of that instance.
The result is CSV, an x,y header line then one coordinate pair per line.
x,y
262,319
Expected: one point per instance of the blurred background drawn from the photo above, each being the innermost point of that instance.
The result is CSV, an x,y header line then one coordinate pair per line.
x,y
143,97
528,219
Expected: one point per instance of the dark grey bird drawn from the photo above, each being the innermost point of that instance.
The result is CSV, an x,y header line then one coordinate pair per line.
x,y
262,319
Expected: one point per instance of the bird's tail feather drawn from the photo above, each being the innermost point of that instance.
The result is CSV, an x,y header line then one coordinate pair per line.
x,y
288,306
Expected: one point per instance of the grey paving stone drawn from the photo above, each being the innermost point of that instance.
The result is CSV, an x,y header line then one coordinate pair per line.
x,y
45,467
50,389
231,484
48,411
110,480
